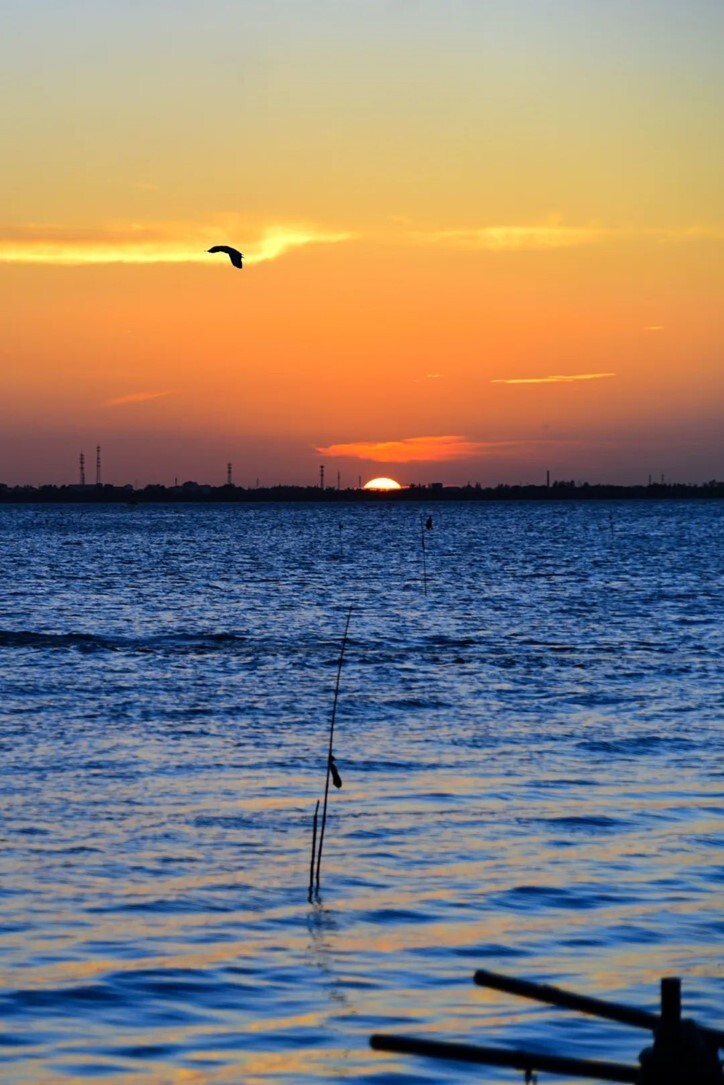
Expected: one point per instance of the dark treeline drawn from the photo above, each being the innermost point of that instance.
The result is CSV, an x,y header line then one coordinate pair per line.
x,y
193,492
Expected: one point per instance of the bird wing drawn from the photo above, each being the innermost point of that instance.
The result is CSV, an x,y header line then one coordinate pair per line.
x,y
234,255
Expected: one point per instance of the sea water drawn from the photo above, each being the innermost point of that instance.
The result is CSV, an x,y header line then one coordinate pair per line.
x,y
531,758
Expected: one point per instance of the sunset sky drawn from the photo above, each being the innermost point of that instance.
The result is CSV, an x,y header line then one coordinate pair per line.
x,y
483,238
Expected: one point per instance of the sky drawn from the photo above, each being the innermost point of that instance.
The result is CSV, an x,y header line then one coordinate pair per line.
x,y
484,239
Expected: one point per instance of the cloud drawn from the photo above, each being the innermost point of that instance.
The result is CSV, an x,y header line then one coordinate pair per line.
x,y
133,397
555,379
553,234
654,328
184,242
409,449
515,238
156,243
278,240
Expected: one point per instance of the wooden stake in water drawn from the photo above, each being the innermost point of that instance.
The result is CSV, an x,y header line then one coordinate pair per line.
x,y
314,848
331,767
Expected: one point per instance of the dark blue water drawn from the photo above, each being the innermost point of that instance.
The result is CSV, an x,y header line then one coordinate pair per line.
x,y
532,774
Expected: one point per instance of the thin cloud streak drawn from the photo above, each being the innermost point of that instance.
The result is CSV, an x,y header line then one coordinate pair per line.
x,y
413,449
278,241
514,238
186,243
428,377
134,397
555,379
160,243
552,234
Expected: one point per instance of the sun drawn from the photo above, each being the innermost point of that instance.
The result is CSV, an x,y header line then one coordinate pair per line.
x,y
382,484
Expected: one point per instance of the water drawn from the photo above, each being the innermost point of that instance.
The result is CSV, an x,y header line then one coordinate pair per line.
x,y
532,783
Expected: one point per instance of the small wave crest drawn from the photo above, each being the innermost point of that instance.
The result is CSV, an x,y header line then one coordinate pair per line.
x,y
89,642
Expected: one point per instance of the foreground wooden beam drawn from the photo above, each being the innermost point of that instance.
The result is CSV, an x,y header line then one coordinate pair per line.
x,y
527,1061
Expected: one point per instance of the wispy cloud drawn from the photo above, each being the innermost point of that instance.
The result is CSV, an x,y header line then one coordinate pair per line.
x,y
554,379
156,243
654,328
186,242
133,397
514,238
409,449
553,233
280,239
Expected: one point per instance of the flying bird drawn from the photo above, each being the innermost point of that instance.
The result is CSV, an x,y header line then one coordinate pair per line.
x,y
234,255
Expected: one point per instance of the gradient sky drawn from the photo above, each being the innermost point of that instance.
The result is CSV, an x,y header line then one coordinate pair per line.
x,y
484,239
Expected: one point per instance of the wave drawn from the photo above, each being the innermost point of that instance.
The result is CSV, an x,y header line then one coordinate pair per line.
x,y
90,642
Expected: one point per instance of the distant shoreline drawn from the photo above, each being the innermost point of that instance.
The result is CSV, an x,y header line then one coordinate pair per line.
x,y
194,493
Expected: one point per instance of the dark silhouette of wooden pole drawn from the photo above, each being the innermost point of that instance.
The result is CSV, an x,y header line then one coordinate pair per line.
x,y
314,850
331,742
683,1053
570,1000
528,1061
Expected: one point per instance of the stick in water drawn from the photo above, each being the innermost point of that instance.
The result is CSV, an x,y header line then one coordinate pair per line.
x,y
331,767
314,848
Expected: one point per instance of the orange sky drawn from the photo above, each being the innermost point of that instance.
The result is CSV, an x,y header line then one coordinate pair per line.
x,y
482,241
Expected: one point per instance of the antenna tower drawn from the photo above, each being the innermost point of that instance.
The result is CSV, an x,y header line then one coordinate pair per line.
x,y
228,475
81,465
98,465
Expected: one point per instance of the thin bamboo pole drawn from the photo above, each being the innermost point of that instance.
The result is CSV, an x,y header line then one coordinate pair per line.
x,y
314,848
331,741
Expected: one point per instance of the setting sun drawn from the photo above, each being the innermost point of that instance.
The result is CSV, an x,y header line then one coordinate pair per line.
x,y
382,484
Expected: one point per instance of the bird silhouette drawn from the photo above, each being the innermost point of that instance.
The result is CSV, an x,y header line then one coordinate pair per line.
x,y
234,255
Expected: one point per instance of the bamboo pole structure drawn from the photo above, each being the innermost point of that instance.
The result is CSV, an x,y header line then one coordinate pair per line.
x,y
331,768
682,1053
528,1061
314,849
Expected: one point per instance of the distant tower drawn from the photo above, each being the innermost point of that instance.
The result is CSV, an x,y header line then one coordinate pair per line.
x,y
228,475
81,464
548,478
98,465
321,476
338,481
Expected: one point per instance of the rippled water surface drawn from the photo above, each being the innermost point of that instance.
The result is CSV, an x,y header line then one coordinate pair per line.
x,y
532,774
